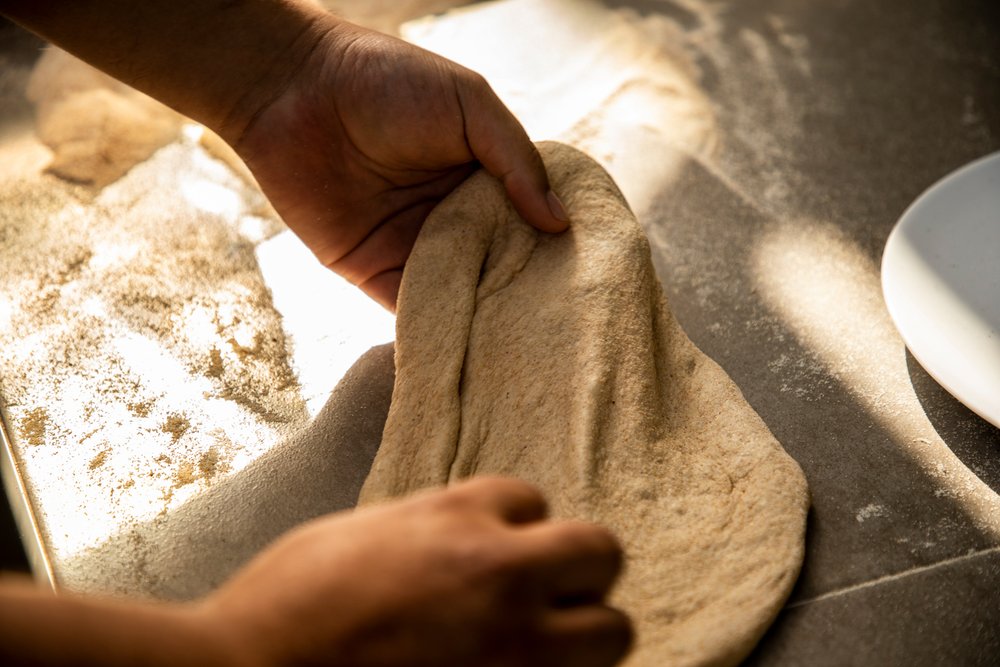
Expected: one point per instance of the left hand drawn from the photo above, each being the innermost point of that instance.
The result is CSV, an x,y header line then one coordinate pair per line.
x,y
368,136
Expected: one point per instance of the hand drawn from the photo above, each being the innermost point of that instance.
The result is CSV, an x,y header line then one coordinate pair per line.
x,y
368,136
466,576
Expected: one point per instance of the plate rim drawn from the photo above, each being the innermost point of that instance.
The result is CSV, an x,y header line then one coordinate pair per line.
x,y
893,241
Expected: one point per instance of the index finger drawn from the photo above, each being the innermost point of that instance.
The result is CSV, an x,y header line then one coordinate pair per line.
x,y
510,499
501,145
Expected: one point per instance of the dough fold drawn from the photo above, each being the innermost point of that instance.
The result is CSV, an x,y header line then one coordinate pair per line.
x,y
555,359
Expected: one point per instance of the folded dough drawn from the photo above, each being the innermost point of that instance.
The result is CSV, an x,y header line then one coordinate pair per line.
x,y
554,358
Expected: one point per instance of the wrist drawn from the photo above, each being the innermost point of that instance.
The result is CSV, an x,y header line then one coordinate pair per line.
x,y
40,628
290,49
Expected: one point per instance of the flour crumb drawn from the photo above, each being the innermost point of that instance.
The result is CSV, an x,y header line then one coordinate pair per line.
x,y
870,511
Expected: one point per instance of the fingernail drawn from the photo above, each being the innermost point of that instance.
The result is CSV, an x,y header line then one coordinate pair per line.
x,y
557,208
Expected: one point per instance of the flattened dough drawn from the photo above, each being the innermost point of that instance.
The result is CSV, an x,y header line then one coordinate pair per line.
x,y
556,360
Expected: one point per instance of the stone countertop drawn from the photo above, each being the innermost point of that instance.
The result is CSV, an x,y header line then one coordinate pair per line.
x,y
767,227
773,269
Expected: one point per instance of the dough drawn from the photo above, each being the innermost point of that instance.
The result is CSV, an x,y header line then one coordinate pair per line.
x,y
556,360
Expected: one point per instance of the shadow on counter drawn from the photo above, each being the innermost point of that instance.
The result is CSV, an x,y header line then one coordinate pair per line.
x,y
973,439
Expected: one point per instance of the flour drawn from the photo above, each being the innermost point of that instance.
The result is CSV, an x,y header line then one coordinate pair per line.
x,y
141,355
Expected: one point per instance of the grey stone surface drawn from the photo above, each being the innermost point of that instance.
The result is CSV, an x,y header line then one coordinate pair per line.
x,y
945,614
881,100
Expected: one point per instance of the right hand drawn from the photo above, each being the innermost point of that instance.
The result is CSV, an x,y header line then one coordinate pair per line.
x,y
471,575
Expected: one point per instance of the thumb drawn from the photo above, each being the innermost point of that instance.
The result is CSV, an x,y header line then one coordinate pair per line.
x,y
501,145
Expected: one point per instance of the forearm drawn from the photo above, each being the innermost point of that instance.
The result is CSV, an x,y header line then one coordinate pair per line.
x,y
42,629
217,61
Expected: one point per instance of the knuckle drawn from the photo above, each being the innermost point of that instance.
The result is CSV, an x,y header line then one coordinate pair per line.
x,y
507,487
459,499
595,540
437,501
491,567
484,483
474,80
450,498
529,493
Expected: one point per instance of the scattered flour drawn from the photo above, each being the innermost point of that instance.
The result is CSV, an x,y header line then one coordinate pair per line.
x,y
141,354
870,511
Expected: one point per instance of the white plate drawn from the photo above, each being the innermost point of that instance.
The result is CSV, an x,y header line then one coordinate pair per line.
x,y
941,281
